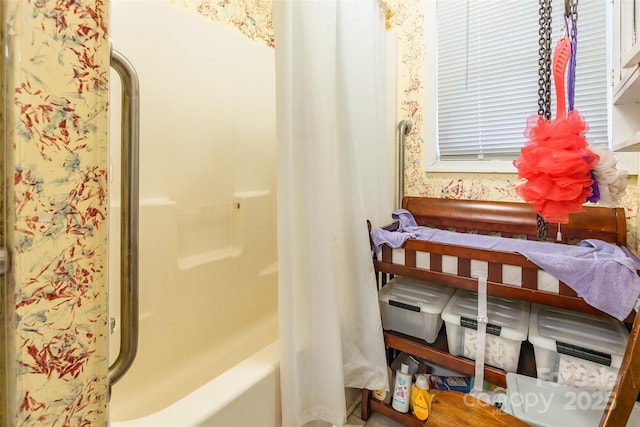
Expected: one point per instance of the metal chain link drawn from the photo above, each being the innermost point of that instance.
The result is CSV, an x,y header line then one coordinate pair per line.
x,y
574,10
573,37
544,59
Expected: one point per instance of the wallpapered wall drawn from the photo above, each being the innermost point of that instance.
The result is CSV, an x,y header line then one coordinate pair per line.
x,y
3,307
57,72
56,115
250,17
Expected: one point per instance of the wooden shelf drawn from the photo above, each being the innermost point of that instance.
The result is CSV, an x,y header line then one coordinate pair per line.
x,y
407,419
438,353
448,408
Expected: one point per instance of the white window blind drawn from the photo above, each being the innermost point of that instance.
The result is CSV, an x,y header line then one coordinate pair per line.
x,y
487,74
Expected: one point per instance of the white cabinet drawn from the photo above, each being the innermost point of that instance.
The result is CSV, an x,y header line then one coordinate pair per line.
x,y
626,75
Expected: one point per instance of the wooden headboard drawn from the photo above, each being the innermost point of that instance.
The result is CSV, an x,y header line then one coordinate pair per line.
x,y
515,219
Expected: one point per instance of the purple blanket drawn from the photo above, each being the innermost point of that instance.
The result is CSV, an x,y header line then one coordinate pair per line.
x,y
604,274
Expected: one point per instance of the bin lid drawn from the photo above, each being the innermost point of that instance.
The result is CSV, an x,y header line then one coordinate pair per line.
x,y
552,328
423,296
508,318
543,403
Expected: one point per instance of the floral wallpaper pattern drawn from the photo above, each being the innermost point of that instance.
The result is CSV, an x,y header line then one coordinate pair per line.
x,y
251,17
3,297
57,86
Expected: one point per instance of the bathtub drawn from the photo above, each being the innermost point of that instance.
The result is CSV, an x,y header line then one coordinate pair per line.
x,y
208,339
248,395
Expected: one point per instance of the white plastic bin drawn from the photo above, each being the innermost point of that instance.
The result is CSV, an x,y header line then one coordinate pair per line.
x,y
542,403
413,307
507,328
577,349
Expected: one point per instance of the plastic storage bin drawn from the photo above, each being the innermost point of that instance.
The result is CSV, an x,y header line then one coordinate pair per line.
x,y
413,307
576,349
506,330
542,403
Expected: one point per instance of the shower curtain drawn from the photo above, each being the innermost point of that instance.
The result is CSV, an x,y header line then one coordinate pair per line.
x,y
332,176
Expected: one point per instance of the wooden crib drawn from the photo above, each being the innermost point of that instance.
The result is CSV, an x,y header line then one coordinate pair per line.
x,y
506,219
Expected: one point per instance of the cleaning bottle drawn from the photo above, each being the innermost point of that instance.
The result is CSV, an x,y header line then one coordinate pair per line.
x,y
383,395
420,398
402,389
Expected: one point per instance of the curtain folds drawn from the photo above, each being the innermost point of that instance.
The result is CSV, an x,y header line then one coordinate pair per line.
x,y
333,169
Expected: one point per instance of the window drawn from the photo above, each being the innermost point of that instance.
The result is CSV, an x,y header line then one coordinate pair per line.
x,y
482,79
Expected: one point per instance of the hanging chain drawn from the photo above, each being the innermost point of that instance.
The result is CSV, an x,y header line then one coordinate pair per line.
x,y
572,21
544,60
544,83
574,10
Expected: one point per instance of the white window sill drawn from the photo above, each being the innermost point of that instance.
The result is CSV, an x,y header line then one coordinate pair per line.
x,y
628,161
479,166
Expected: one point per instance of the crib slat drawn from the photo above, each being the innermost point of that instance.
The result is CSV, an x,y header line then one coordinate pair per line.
x,y
464,267
409,258
435,263
495,272
566,290
529,278
386,254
